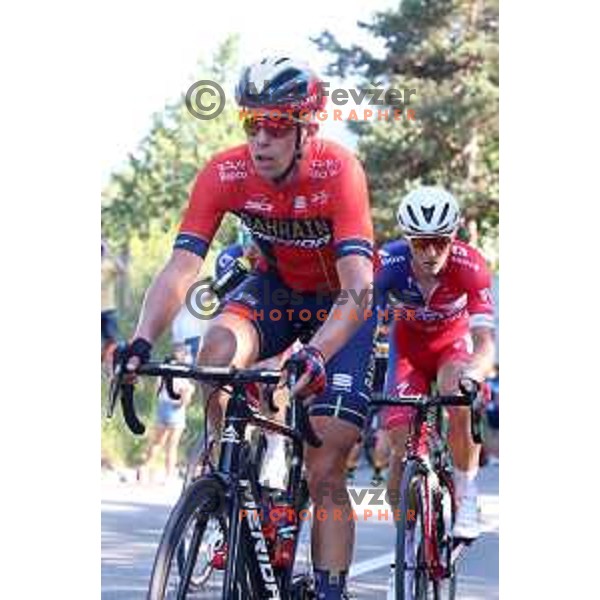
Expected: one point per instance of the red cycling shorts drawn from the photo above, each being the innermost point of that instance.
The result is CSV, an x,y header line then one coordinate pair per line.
x,y
415,370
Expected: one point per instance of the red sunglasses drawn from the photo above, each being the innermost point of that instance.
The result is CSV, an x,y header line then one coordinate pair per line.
x,y
274,128
439,242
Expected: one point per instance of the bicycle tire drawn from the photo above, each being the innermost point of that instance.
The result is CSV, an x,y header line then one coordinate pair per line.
x,y
412,582
447,587
202,500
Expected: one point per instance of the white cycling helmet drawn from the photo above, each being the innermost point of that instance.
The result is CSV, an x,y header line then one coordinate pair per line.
x,y
428,211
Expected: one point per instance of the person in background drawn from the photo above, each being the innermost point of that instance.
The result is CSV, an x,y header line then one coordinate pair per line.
x,y
111,268
188,330
170,420
492,422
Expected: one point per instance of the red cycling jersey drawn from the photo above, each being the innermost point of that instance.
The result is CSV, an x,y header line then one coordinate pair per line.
x,y
301,227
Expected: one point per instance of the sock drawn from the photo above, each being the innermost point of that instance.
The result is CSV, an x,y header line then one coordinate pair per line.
x,y
329,585
465,481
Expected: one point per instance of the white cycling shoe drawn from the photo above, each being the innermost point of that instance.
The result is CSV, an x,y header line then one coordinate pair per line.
x,y
466,525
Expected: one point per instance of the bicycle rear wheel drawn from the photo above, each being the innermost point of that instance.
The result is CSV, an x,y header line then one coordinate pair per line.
x,y
198,524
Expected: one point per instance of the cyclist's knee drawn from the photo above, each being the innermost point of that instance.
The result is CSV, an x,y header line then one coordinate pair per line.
x,y
218,348
396,439
447,378
229,340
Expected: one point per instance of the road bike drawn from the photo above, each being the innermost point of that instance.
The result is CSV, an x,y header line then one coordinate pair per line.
x,y
426,552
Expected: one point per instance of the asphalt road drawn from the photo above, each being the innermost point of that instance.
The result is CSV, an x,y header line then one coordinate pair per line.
x,y
133,517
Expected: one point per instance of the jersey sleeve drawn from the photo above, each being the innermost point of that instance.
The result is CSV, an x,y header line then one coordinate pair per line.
x,y
204,212
352,225
480,302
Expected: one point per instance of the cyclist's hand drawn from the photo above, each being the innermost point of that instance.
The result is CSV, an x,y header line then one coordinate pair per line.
x,y
136,354
309,365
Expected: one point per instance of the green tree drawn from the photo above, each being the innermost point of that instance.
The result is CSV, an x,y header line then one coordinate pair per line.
x,y
153,185
447,50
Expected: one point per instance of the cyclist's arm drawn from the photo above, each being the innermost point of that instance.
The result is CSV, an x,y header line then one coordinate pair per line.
x,y
353,238
482,360
480,305
356,280
166,294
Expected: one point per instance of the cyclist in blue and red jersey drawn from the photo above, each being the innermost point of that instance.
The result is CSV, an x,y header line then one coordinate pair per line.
x,y
305,201
440,289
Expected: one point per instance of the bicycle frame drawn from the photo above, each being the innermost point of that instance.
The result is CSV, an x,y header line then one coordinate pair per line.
x,y
240,476
427,446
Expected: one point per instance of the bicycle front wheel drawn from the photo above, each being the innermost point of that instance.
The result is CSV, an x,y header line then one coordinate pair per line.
x,y
194,533
415,538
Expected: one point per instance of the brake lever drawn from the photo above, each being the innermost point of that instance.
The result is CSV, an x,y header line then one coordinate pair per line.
x,y
127,404
116,379
168,379
124,391
303,421
471,388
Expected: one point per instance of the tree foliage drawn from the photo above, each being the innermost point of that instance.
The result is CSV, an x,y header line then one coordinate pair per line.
x,y
154,183
447,50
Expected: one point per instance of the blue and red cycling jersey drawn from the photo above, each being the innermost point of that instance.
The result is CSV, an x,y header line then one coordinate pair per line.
x,y
460,300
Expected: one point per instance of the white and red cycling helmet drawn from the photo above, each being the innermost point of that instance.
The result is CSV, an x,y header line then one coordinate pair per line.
x,y
428,211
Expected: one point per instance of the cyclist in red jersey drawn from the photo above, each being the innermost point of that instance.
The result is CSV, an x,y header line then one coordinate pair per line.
x,y
305,201
440,289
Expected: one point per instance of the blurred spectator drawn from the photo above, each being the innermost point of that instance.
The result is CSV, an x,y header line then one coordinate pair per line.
x,y
111,268
491,446
170,420
187,329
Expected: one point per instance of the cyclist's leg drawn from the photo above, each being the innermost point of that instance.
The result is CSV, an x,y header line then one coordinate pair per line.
x,y
405,380
231,339
381,450
243,333
464,451
338,416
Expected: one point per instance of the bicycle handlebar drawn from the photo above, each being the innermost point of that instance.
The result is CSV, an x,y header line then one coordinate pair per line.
x,y
469,397
221,375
